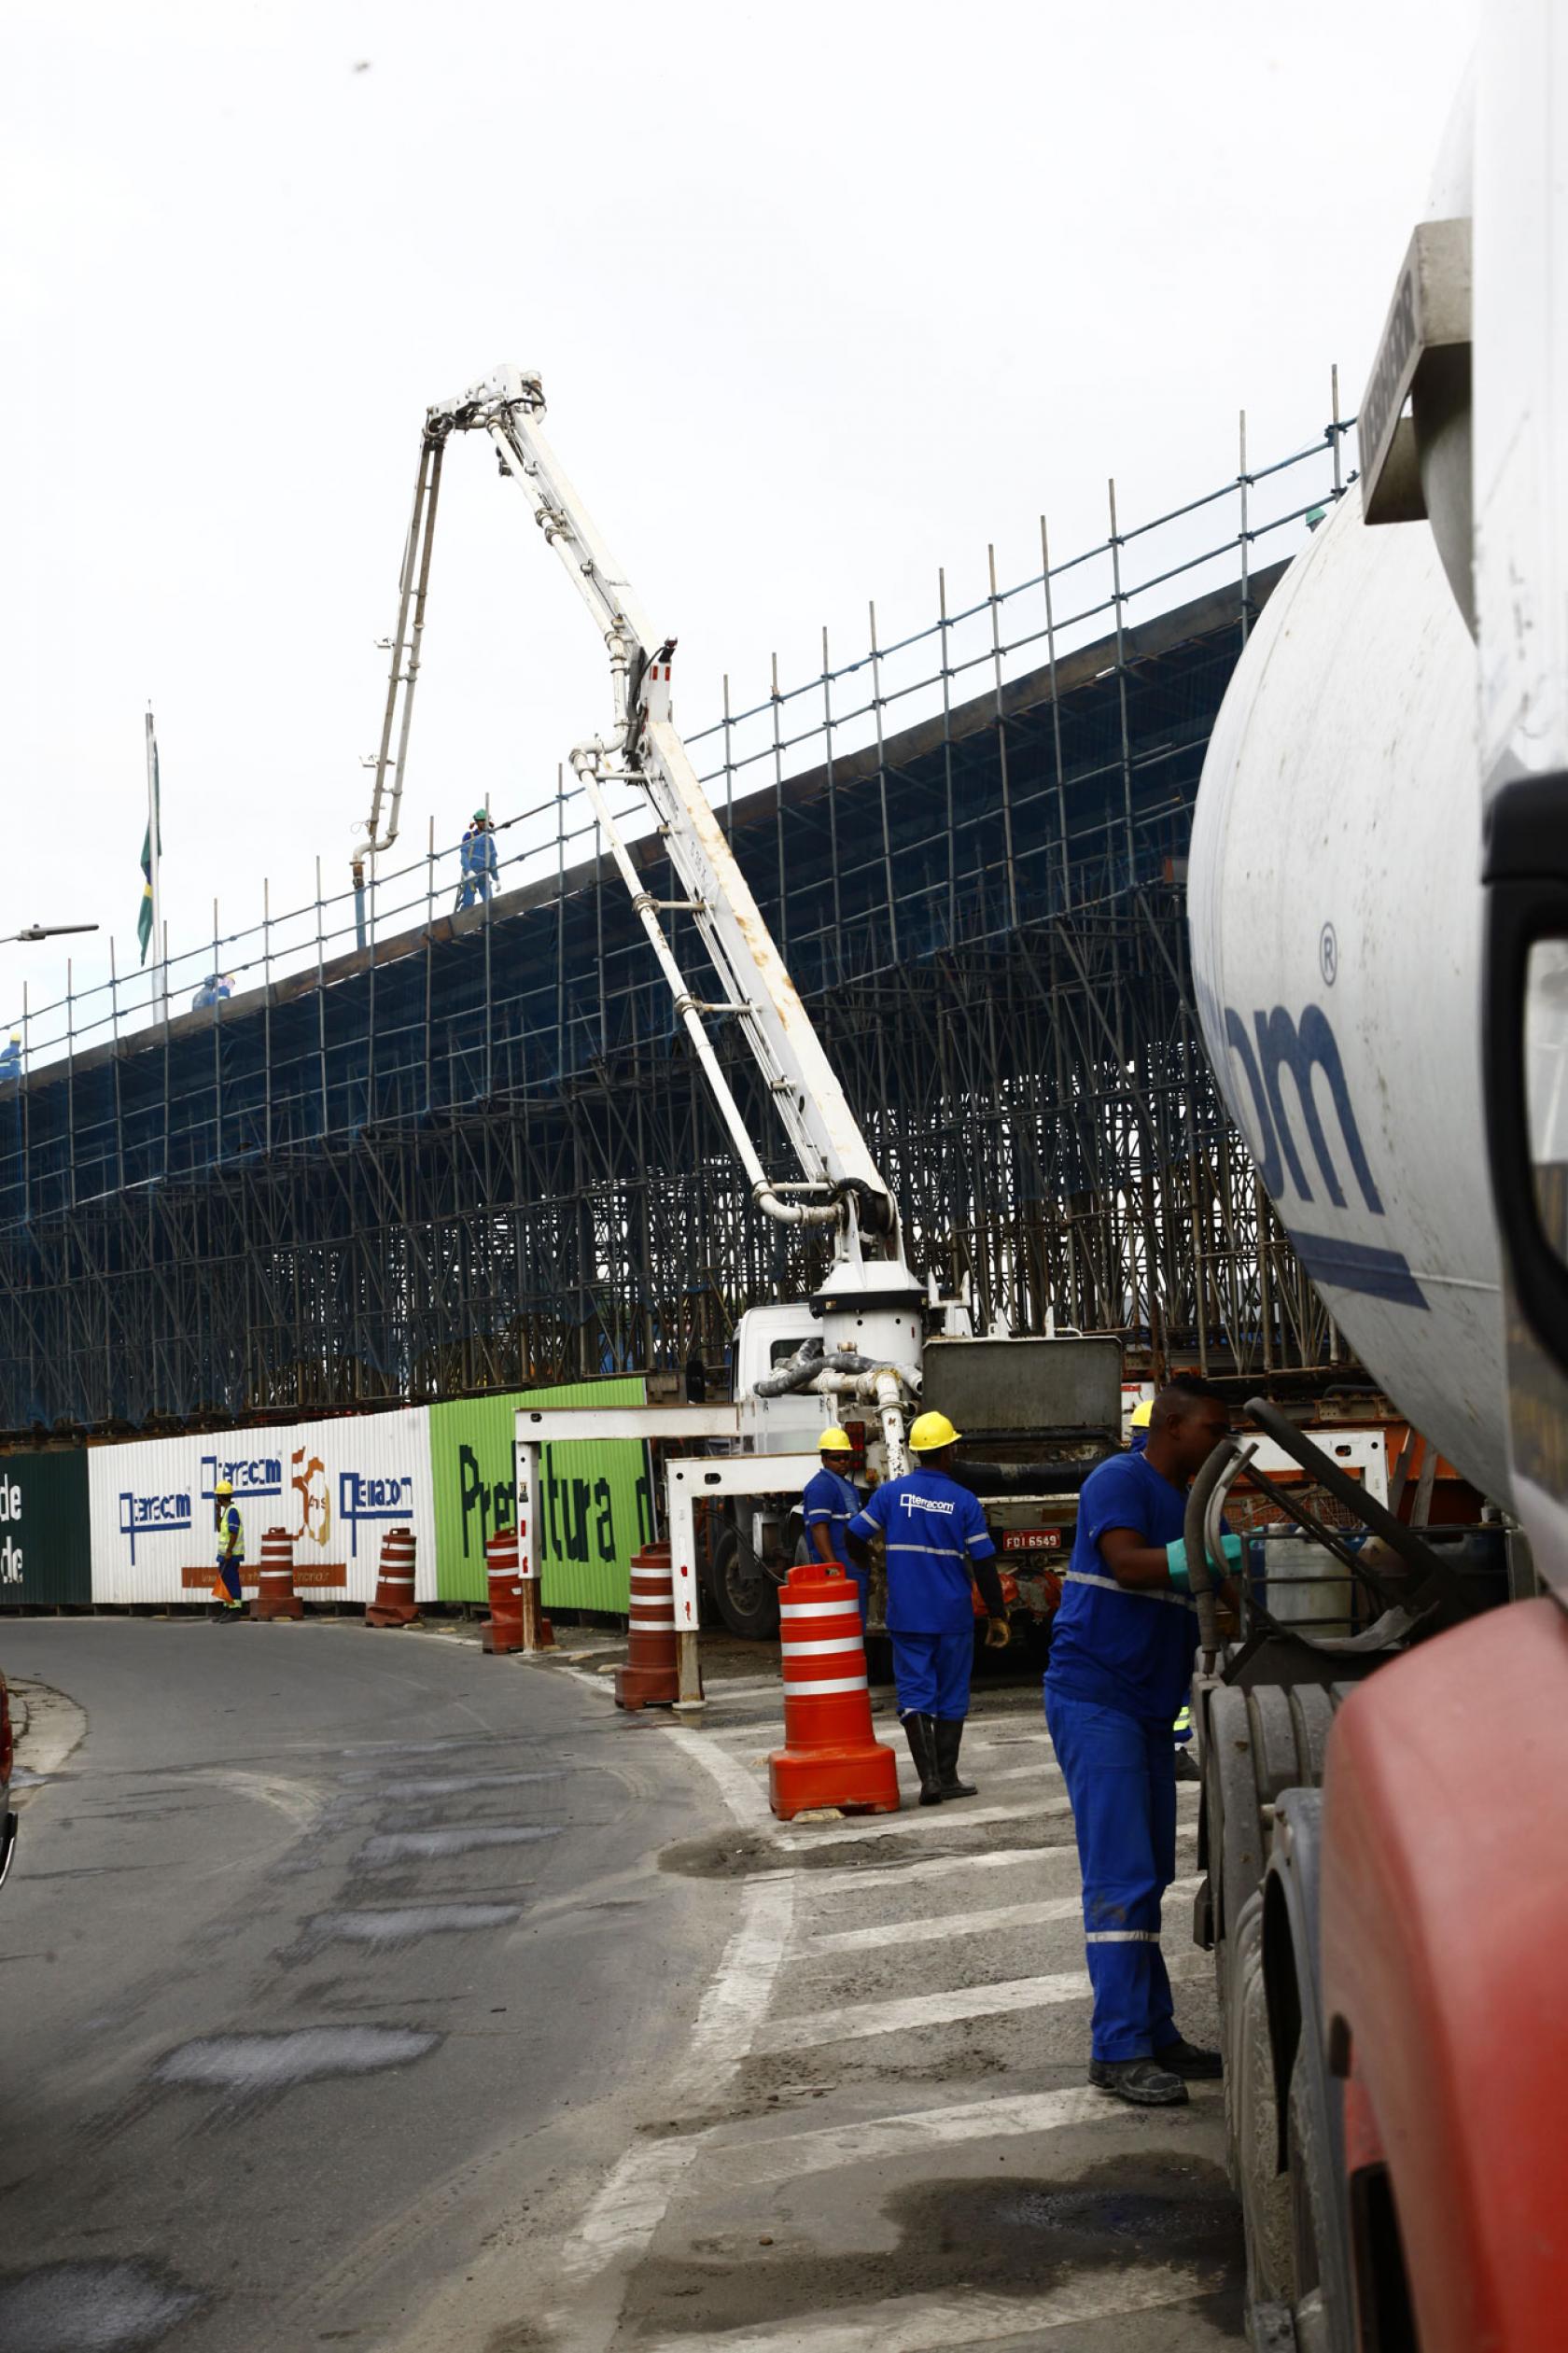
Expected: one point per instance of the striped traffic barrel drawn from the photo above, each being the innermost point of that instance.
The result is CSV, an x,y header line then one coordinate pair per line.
x,y
505,1630
649,1677
394,1604
275,1596
830,1755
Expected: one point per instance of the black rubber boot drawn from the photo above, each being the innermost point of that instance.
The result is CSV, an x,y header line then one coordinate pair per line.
x,y
1187,2060
949,1736
1142,2082
920,1731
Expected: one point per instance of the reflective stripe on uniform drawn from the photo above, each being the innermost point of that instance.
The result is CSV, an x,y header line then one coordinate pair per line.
x,y
927,1552
1133,1593
1120,1936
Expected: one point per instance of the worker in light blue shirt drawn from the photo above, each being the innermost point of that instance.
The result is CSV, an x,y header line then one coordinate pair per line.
x,y
829,1503
1122,1649
937,1548
480,864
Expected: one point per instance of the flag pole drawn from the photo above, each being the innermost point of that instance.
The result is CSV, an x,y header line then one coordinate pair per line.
x,y
154,848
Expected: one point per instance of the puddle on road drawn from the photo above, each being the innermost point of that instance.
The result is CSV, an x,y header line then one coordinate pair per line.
x,y
406,1925
261,2064
998,2237
104,2307
410,1846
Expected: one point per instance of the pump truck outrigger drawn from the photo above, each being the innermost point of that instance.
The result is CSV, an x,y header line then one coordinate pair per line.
x,y
860,1341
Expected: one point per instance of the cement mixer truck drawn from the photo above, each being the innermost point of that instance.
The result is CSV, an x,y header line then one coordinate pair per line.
x,y
1378,888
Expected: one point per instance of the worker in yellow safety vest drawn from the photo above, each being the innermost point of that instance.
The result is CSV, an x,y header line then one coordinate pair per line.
x,y
226,1601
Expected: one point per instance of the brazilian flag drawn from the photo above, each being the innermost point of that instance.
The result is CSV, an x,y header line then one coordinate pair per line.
x,y
149,849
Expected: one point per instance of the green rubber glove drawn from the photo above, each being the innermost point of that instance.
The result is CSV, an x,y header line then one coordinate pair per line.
x,y
1176,1557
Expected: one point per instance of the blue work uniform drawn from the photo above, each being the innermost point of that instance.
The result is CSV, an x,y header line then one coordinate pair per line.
x,y
480,865
831,1502
1121,1664
231,1551
931,1528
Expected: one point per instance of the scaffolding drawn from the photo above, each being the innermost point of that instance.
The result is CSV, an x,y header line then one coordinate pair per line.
x,y
420,1153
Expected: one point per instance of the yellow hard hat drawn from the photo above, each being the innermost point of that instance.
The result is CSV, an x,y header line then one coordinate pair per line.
x,y
1143,1415
836,1441
224,1487
931,1432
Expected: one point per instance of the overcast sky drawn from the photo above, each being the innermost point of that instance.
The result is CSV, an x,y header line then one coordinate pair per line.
x,y
824,296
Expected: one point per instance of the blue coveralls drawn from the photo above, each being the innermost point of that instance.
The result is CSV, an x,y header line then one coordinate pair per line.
x,y
930,1528
480,865
832,1501
230,1524
1121,1663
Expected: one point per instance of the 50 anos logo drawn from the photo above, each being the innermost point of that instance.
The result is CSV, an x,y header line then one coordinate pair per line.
x,y
1295,1152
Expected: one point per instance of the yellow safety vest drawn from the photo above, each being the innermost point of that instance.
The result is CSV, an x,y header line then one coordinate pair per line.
x,y
231,1529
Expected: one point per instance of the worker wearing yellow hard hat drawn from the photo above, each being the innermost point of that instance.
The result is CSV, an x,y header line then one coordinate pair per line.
x,y
829,1502
935,1540
226,1599
1142,1417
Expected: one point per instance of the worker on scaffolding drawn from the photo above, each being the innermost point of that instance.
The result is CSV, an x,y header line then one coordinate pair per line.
x,y
10,1060
480,863
226,1601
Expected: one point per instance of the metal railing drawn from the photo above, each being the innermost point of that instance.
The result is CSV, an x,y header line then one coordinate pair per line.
x,y
972,650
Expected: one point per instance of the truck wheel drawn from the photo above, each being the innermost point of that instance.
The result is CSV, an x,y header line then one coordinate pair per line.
x,y
745,1595
1252,2117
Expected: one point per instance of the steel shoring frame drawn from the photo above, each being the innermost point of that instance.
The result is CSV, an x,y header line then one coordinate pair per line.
x,y
1035,1092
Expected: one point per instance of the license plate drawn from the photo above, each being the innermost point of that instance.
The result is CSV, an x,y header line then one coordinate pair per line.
x,y
1031,1539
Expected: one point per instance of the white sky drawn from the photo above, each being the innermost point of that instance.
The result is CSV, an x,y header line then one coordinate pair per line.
x,y
823,296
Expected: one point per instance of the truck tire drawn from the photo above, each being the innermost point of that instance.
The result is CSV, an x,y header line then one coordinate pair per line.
x,y
1253,2119
744,1594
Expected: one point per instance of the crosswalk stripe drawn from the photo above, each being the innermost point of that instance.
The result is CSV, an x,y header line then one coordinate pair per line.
x,y
927,2324
942,2009
917,2132
960,1924
862,1880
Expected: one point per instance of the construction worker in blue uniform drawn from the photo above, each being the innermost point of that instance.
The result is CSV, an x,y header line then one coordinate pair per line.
x,y
1122,1649
829,1502
231,1551
10,1060
480,864
1181,1729
935,1542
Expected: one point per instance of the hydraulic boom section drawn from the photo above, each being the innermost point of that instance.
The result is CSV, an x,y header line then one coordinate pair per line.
x,y
839,1184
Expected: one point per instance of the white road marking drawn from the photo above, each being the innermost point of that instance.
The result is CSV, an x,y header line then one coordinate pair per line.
x,y
938,1929
928,2324
924,1818
942,2009
917,2132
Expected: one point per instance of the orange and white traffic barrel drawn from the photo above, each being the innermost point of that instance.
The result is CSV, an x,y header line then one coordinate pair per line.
x,y
830,1755
505,1628
650,1677
394,1604
275,1596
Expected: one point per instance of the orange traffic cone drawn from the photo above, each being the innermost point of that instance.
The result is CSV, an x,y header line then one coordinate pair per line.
x,y
275,1596
505,1630
830,1755
650,1677
394,1604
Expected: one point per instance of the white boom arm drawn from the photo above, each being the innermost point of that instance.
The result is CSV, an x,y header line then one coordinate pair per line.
x,y
840,1183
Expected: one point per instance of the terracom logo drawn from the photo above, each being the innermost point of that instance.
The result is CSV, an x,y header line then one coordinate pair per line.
x,y
1308,1050
152,1516
372,1499
249,1475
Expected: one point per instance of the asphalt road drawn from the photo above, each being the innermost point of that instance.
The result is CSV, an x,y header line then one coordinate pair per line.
x,y
329,1964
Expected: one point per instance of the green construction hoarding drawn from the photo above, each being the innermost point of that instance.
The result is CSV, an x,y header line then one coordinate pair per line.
x,y
45,1552
594,1508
